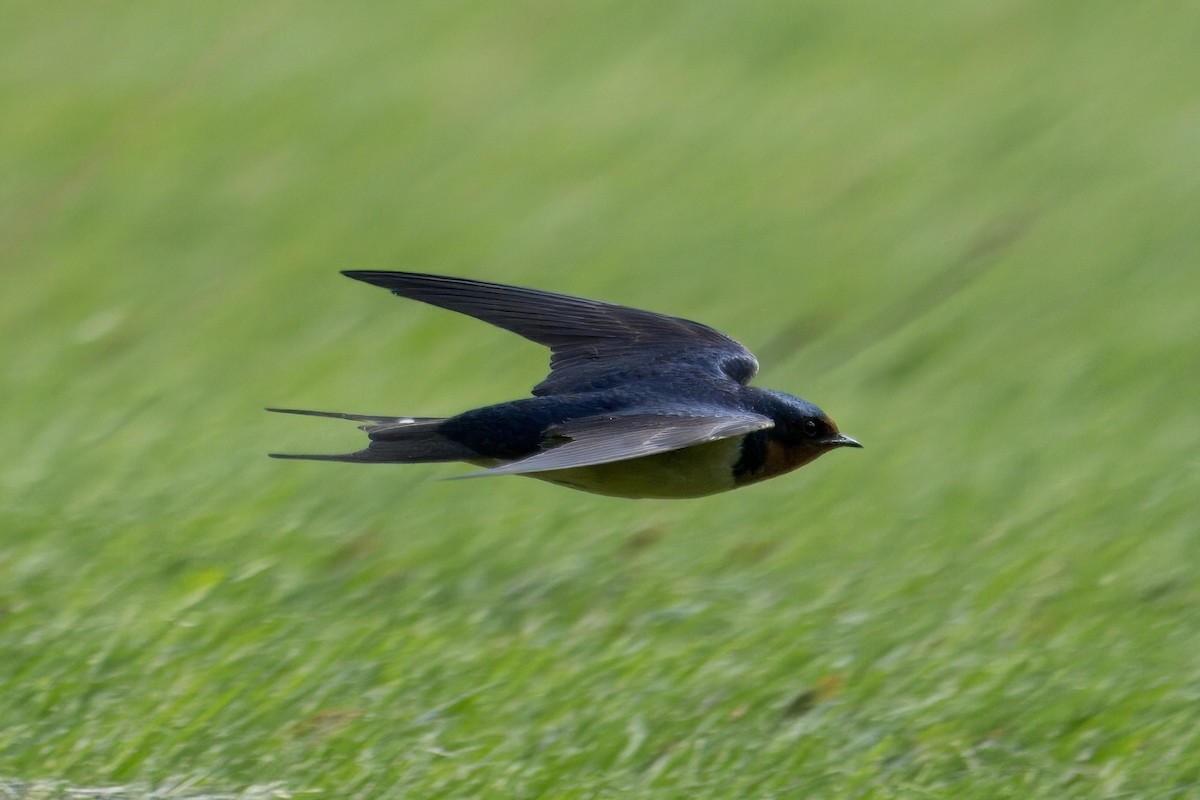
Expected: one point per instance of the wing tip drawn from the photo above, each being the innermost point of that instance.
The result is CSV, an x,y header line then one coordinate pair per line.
x,y
376,277
391,279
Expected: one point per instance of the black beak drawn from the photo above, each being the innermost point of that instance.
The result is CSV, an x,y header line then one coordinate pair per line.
x,y
842,440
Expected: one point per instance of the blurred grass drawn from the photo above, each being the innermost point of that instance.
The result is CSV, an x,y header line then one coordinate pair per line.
x,y
968,230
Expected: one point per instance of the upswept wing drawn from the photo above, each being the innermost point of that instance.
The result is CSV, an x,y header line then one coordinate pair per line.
x,y
602,440
593,343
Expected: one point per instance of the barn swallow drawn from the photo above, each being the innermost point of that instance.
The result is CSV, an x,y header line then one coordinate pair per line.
x,y
637,404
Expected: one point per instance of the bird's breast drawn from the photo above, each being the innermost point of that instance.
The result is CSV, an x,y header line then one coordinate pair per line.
x,y
690,472
763,456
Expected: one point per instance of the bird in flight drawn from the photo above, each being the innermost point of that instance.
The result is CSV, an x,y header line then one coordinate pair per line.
x,y
637,404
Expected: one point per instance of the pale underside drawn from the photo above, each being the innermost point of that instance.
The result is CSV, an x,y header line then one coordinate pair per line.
x,y
695,471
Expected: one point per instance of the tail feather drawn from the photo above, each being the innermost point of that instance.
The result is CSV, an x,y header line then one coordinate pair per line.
x,y
394,440
348,457
376,421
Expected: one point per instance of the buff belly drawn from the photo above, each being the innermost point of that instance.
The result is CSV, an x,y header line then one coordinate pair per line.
x,y
690,472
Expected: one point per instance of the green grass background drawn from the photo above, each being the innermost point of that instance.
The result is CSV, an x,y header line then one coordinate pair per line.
x,y
969,230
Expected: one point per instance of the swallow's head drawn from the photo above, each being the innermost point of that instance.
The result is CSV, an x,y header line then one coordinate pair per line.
x,y
800,424
801,433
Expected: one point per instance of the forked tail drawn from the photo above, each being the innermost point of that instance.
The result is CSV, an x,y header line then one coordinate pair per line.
x,y
394,440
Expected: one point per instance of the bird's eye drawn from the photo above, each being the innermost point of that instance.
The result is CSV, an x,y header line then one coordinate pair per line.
x,y
812,427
